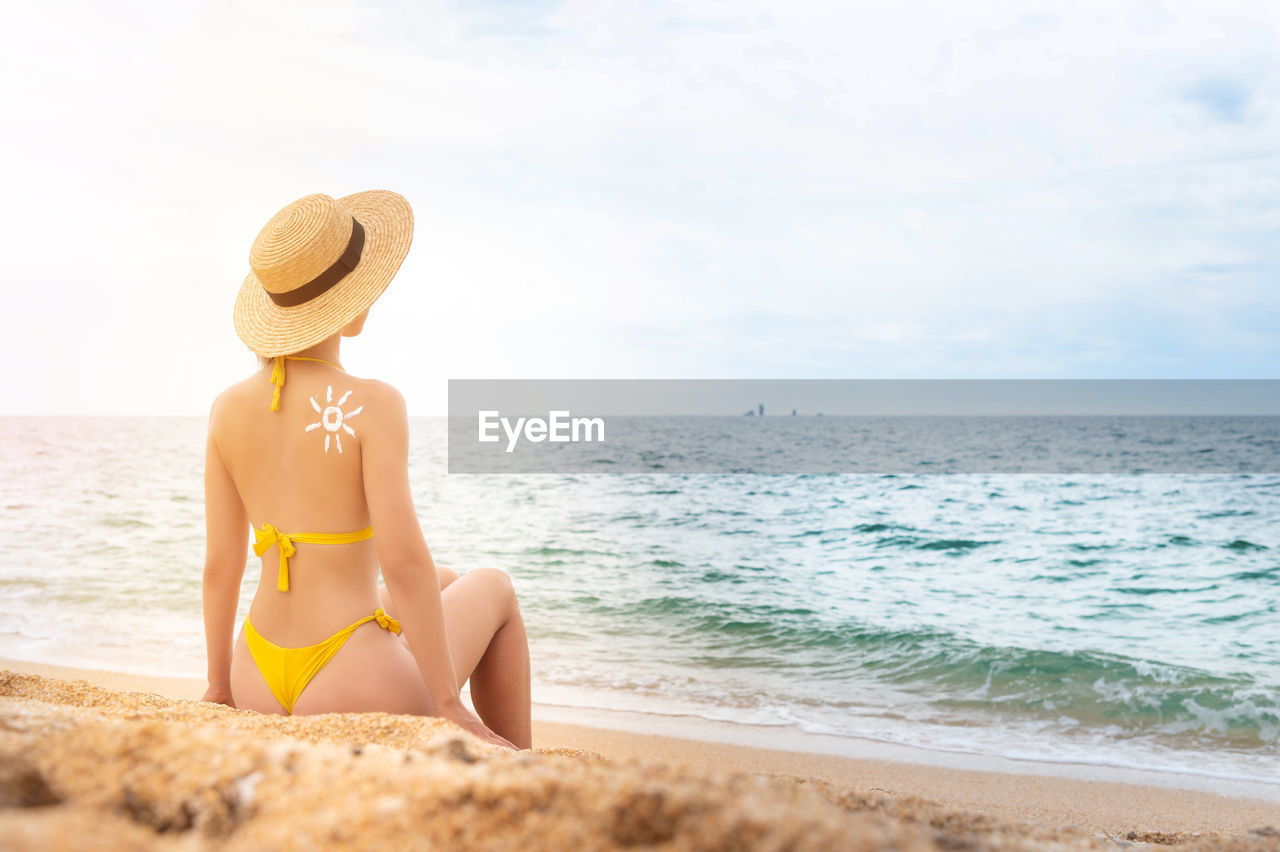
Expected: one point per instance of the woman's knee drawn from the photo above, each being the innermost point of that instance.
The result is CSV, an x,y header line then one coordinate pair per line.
x,y
446,576
499,581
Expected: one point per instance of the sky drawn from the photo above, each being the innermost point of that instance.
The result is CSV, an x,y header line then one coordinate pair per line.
x,y
845,190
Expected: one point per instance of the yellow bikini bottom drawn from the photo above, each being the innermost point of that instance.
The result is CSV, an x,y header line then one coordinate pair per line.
x,y
287,671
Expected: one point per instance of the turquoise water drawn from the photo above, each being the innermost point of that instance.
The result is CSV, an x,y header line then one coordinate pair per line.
x,y
1128,620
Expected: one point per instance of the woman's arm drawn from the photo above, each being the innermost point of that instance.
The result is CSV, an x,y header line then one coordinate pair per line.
x,y
225,553
407,565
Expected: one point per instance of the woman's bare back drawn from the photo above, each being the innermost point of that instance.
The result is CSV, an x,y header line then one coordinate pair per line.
x,y
299,469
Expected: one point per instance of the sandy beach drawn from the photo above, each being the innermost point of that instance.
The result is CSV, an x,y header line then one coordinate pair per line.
x,y
142,764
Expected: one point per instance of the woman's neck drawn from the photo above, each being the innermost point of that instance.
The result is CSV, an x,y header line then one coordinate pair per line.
x,y
325,350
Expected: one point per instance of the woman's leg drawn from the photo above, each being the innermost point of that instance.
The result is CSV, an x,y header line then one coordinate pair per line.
x,y
443,574
446,576
488,644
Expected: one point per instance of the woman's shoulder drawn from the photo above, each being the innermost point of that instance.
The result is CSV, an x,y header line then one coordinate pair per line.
x,y
380,404
234,397
380,390
376,401
378,397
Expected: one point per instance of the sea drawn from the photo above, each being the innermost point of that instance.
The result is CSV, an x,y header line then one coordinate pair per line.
x,y
1099,619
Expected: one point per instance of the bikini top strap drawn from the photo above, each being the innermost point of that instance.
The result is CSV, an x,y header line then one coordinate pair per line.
x,y
277,374
269,535
277,379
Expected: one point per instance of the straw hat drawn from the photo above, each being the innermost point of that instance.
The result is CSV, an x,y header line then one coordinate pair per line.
x,y
317,265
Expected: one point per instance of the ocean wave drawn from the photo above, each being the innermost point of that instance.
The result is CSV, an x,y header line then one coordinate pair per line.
x,y
1264,574
954,544
876,527
1103,691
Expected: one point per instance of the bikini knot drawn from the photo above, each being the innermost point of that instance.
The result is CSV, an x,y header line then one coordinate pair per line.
x,y
268,536
385,621
277,378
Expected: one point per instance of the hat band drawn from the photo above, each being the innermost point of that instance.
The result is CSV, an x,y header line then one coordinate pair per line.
x,y
331,276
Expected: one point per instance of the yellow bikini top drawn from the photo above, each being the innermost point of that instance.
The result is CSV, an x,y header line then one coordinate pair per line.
x,y
269,535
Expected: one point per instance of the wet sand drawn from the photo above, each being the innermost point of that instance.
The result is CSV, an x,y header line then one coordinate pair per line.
x,y
140,764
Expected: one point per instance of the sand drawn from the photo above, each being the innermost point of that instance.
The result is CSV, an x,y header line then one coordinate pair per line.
x,y
118,761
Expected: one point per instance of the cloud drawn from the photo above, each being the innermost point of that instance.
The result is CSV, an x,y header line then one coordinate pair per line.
x,y
1222,98
690,189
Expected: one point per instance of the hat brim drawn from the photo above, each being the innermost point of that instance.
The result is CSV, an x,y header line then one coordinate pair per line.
x,y
270,330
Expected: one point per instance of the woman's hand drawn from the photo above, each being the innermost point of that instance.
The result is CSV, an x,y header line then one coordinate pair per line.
x,y
219,695
461,715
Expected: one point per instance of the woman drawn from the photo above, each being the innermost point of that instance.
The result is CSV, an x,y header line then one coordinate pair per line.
x,y
317,466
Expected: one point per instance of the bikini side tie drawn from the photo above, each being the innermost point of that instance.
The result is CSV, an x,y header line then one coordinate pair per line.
x,y
385,621
269,535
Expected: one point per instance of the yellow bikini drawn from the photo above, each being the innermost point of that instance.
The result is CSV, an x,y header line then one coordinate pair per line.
x,y
287,671
269,535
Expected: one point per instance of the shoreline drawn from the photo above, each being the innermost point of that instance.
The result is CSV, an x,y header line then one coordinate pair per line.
x,y
792,740
1108,800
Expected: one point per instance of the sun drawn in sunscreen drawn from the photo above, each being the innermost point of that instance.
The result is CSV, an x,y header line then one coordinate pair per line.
x,y
333,419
